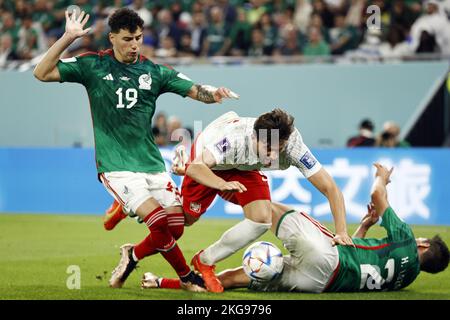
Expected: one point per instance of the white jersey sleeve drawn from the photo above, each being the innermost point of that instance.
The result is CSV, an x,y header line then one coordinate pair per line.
x,y
224,138
298,154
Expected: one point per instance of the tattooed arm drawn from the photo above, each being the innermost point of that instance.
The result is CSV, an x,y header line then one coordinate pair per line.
x,y
210,94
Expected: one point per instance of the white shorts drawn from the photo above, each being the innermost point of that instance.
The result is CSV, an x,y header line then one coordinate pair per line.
x,y
312,259
132,189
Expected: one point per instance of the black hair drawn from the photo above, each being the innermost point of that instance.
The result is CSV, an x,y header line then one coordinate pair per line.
x,y
436,258
126,19
366,124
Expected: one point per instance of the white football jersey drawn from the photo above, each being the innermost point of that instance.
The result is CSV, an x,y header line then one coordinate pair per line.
x,y
229,139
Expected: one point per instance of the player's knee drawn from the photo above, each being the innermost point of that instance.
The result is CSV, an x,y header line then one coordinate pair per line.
x,y
257,225
262,217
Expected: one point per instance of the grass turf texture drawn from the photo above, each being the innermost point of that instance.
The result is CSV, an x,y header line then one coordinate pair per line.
x,y
36,250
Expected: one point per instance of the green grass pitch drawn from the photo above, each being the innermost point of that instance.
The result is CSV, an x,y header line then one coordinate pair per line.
x,y
36,251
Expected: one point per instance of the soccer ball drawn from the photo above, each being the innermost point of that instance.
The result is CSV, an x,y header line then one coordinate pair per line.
x,y
262,261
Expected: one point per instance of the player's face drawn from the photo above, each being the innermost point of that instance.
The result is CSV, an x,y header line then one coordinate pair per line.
x,y
268,154
126,45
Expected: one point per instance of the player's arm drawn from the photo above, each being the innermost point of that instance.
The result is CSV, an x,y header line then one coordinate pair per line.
x,y
200,171
366,222
46,69
327,186
210,94
379,192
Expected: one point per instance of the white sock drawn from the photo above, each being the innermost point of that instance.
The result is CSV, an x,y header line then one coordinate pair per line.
x,y
232,240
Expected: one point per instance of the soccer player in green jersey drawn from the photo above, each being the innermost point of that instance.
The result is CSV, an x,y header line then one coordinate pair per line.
x,y
123,86
315,266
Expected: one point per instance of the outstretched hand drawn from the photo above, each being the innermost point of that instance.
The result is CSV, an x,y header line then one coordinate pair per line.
x,y
383,172
370,218
223,92
75,25
342,239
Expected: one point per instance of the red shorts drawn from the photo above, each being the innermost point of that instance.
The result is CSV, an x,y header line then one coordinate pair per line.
x,y
197,197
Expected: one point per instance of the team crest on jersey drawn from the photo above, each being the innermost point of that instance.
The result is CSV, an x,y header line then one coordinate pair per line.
x,y
195,206
308,160
145,81
223,145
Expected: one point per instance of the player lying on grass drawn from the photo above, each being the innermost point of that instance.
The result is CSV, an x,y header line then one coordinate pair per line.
x,y
226,159
123,87
315,266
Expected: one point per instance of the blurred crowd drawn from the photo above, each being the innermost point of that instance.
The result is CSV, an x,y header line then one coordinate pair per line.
x,y
389,137
169,130
254,28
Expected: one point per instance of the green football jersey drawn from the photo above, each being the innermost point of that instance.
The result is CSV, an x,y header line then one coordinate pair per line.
x,y
384,264
122,99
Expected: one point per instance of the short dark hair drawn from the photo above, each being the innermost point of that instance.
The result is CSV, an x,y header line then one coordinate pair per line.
x,y
275,119
126,19
436,258
366,124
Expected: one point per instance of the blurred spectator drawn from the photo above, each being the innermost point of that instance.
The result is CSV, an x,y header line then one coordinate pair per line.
x,y
366,136
6,49
27,47
390,137
166,27
185,46
256,10
257,44
270,33
198,32
321,8
9,27
166,49
217,32
395,45
229,10
43,14
144,13
355,13
173,123
316,46
340,36
160,139
370,47
100,40
240,33
402,16
161,123
432,26
302,15
290,46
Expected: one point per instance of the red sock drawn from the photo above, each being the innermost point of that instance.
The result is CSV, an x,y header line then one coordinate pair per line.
x,y
162,240
170,283
145,248
176,259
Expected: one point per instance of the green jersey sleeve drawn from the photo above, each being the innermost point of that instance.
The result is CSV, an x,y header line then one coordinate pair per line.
x,y
174,81
397,230
70,70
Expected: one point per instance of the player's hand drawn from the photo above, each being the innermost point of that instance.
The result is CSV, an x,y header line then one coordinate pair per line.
x,y
75,25
223,92
233,186
342,239
370,218
179,171
383,172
